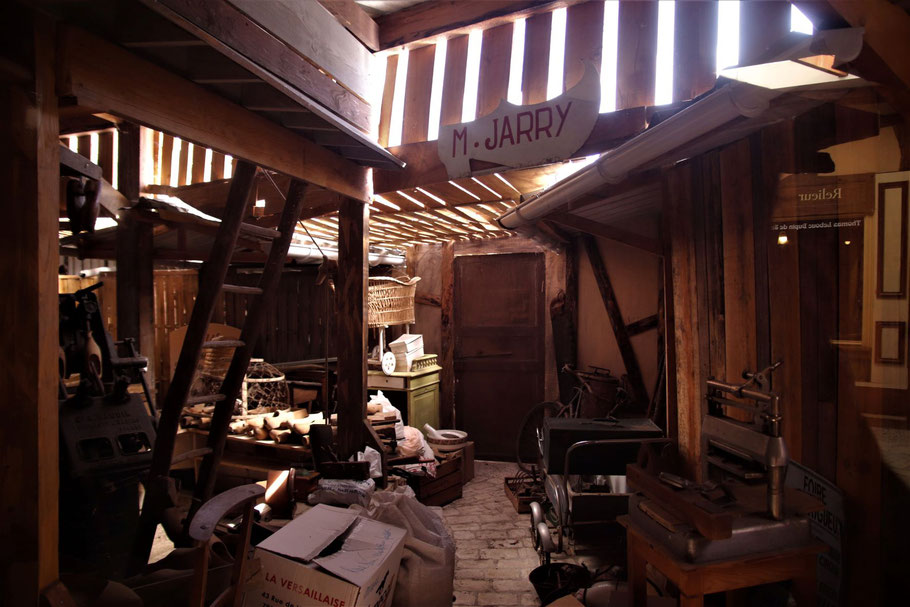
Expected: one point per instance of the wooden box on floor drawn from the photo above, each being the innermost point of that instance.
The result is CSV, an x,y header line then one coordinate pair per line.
x,y
467,454
446,487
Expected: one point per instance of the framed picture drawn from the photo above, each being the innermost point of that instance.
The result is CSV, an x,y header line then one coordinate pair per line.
x,y
890,342
892,239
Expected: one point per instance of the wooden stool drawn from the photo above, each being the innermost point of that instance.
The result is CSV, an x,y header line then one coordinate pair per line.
x,y
695,580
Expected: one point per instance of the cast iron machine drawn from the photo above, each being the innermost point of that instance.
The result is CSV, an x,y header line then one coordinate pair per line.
x,y
106,437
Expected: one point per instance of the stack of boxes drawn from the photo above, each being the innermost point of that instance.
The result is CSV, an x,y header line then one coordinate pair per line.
x,y
406,348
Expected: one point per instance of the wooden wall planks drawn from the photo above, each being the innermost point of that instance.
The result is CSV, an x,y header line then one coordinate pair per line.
x,y
695,49
536,58
417,94
495,56
637,54
388,95
738,262
453,80
761,24
584,40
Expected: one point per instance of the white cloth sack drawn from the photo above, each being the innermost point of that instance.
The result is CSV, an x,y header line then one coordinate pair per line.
x,y
386,406
427,572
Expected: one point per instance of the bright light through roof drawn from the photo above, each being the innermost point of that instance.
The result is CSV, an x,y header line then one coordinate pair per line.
x,y
666,17
557,53
784,75
439,68
472,76
516,65
397,118
609,61
799,22
727,34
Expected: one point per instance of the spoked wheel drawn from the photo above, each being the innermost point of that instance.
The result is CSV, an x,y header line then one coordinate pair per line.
x,y
527,453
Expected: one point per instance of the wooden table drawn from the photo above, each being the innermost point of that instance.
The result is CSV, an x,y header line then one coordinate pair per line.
x,y
695,580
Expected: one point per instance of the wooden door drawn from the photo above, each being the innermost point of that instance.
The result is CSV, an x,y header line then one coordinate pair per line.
x,y
499,347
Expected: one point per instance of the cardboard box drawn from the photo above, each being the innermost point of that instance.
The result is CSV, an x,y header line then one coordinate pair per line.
x,y
329,557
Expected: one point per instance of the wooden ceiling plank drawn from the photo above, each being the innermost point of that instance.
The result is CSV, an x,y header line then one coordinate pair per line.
x,y
584,40
495,61
231,32
427,19
453,80
695,49
609,232
637,54
113,80
388,95
536,64
417,94
356,20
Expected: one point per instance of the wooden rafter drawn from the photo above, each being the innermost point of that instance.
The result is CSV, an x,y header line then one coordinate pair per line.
x,y
107,78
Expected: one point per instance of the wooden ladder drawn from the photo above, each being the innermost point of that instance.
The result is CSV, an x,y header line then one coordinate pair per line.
x,y
211,282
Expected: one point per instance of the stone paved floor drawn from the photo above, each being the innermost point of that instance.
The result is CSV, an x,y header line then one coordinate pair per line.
x,y
493,554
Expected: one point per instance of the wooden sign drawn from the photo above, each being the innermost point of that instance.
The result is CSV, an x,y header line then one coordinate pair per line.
x,y
524,135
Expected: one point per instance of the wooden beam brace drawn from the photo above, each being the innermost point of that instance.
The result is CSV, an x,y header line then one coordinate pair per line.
x,y
135,271
351,315
629,359
447,337
110,79
640,326
356,20
609,232
29,437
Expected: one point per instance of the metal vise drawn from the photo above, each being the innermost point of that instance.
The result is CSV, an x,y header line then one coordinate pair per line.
x,y
758,441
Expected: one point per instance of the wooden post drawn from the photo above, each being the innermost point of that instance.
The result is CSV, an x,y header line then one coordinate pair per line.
x,y
447,338
135,273
640,393
29,171
350,310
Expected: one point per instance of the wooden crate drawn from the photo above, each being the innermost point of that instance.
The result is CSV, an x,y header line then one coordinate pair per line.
x,y
446,487
519,492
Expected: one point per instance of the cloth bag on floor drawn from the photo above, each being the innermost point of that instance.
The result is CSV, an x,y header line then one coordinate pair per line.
x,y
427,572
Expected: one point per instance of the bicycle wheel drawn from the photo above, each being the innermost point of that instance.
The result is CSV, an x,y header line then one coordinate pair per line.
x,y
526,445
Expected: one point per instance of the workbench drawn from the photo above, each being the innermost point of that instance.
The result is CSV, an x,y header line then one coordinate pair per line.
x,y
695,580
414,393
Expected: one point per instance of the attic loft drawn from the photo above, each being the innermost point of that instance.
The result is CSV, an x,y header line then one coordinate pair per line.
x,y
573,302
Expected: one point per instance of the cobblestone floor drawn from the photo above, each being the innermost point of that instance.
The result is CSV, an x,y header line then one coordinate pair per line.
x,y
493,555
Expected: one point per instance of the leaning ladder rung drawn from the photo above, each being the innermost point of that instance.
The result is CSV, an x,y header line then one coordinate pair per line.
x,y
259,231
205,399
242,290
223,343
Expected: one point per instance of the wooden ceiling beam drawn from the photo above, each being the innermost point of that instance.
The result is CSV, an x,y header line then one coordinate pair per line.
x,y
356,20
595,228
110,79
454,17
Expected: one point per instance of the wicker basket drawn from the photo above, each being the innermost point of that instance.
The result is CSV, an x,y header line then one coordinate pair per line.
x,y
391,301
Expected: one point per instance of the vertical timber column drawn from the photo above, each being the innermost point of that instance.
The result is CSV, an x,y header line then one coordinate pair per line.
x,y
351,314
30,172
135,275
